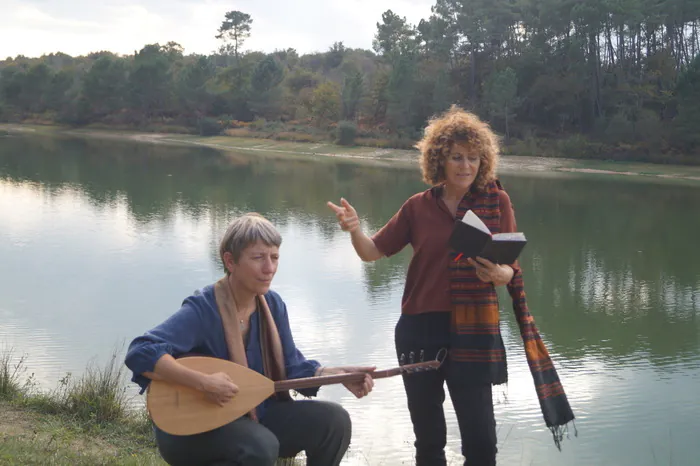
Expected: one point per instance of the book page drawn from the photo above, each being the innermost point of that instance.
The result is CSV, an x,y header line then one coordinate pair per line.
x,y
471,219
509,237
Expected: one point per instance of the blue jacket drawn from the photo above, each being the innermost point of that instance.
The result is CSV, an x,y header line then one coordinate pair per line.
x,y
196,328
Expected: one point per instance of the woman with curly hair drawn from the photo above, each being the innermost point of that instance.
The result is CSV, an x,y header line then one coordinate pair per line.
x,y
449,301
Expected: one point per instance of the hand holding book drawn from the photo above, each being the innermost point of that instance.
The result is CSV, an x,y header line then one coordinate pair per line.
x,y
489,272
471,238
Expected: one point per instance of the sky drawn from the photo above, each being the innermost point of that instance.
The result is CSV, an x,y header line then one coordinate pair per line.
x,y
77,27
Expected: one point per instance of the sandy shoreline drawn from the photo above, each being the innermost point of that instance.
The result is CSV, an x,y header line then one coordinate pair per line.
x,y
508,163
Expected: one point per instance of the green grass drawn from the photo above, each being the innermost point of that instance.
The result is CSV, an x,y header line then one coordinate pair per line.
x,y
31,434
99,396
45,451
10,372
96,398
83,421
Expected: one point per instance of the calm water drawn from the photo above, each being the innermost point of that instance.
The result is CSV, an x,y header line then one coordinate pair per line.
x,y
99,241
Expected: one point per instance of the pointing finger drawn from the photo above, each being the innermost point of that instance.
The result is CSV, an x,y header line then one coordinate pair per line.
x,y
336,208
346,204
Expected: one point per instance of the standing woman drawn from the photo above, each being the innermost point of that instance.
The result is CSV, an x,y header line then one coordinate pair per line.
x,y
450,302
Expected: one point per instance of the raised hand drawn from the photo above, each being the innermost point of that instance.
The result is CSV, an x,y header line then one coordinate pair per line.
x,y
350,222
346,214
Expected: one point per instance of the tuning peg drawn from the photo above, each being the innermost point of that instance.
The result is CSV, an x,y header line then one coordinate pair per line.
x,y
422,355
402,359
411,357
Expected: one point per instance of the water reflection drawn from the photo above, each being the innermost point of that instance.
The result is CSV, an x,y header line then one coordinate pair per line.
x,y
102,240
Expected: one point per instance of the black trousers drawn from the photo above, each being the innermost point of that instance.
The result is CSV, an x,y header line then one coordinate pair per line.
x,y
319,428
473,404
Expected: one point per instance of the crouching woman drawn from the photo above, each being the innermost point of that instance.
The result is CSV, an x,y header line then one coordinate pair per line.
x,y
241,319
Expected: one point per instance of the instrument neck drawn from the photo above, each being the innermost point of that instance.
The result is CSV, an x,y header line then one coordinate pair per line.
x,y
309,382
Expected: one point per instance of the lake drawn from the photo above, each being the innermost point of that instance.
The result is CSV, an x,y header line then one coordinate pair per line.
x,y
101,240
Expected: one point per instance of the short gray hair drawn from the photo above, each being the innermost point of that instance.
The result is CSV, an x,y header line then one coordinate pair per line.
x,y
245,231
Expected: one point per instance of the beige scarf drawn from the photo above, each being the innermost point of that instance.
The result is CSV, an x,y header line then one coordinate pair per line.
x,y
270,343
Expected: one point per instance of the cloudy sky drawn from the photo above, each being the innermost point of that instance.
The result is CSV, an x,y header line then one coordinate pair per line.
x,y
75,27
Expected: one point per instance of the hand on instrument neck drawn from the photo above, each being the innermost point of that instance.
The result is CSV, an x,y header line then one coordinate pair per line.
x,y
359,389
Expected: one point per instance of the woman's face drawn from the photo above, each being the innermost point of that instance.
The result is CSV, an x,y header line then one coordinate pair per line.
x,y
256,267
462,167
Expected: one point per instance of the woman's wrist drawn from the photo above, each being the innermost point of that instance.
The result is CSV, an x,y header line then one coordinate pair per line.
x,y
509,272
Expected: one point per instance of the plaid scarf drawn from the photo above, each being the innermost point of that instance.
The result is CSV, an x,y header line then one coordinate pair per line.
x,y
476,344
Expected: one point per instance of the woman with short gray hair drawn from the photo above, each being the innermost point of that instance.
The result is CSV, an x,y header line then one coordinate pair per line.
x,y
241,319
246,230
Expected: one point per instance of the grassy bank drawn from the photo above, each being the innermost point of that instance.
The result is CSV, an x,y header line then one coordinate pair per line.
x,y
349,134
510,164
83,421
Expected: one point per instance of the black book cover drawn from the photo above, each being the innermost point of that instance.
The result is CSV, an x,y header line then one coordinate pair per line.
x,y
472,238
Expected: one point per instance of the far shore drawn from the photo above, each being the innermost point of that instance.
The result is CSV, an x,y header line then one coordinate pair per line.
x,y
509,164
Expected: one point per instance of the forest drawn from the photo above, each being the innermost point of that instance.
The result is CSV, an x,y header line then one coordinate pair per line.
x,y
600,79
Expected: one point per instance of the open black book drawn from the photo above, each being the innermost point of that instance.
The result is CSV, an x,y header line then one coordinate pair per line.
x,y
472,238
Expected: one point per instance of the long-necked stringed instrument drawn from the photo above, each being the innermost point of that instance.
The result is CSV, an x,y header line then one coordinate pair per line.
x,y
181,410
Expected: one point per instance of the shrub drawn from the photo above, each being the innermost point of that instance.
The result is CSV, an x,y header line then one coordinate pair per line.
x,y
209,126
346,132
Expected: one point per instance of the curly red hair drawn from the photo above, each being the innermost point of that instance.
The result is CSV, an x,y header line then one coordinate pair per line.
x,y
457,126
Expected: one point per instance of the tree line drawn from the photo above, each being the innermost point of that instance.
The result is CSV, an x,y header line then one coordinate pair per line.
x,y
598,77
